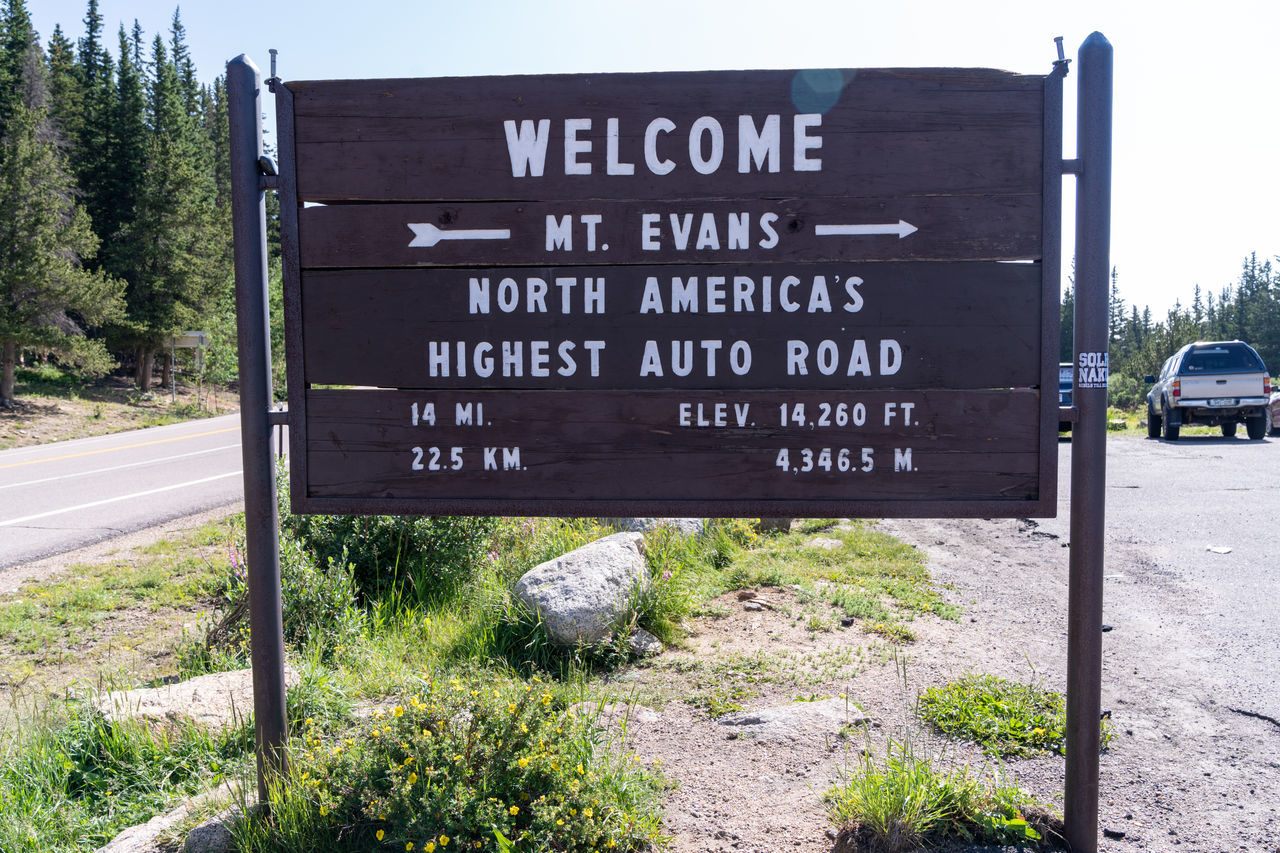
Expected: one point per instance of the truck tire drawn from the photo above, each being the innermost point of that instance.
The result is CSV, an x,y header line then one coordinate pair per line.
x,y
1229,430
1171,429
1271,423
1256,427
1153,423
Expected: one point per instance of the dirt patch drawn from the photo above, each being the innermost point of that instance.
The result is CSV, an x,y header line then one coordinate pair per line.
x,y
1180,774
46,414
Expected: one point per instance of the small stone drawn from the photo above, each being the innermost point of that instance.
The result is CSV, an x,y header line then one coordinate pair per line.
x,y
1116,834
752,606
1106,628
847,621
643,644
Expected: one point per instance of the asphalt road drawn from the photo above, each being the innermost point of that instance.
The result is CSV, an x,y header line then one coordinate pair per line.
x,y
58,497
1204,514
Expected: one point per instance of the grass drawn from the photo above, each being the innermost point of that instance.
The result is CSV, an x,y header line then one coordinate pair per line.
x,y
464,655
906,800
871,576
73,784
1005,718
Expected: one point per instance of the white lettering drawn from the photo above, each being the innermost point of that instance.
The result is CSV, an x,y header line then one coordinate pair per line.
x,y
528,147
703,126
573,146
804,143
614,166
755,146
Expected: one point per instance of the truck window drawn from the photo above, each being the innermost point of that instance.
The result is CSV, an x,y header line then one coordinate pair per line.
x,y
1220,360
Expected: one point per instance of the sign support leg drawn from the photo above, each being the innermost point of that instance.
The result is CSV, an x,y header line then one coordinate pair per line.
x,y
249,225
1089,444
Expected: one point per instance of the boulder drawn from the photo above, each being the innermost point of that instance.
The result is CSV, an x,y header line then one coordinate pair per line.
x,y
687,526
581,595
152,836
217,701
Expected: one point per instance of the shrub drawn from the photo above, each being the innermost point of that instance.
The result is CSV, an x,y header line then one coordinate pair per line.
x,y
394,558
320,612
455,767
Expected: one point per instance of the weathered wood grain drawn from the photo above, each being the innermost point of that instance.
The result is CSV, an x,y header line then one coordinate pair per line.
x,y
580,447
894,132
634,232
962,325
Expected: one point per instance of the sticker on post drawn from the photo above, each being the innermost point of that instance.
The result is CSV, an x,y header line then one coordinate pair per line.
x,y
1093,370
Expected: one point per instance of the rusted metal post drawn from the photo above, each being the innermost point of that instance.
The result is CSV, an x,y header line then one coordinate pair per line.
x,y
1089,444
249,227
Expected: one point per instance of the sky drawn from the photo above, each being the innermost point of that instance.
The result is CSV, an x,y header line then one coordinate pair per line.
x,y
1196,162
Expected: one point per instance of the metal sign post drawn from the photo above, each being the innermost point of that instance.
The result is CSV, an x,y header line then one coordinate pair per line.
x,y
1088,444
249,225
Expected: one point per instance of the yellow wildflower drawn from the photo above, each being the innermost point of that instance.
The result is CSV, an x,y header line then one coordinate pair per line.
x,y
559,822
413,777
444,841
580,770
514,810
430,846
397,711
378,835
523,762
408,845
587,813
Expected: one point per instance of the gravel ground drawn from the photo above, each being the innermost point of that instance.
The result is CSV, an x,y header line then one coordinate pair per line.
x,y
1183,773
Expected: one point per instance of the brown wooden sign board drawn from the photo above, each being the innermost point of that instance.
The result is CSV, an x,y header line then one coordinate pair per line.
x,y
713,293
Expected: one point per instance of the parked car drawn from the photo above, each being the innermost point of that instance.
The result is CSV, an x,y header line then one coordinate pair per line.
x,y
1066,383
1273,413
1210,383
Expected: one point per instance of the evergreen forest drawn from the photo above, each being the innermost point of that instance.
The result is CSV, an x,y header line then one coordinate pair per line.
x,y
115,221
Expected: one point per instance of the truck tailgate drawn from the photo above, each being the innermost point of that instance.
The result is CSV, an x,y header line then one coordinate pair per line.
x,y
1221,386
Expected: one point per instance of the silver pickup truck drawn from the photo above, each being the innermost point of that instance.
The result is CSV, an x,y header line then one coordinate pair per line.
x,y
1217,383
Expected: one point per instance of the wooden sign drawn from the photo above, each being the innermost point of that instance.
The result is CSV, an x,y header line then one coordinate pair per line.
x,y
714,293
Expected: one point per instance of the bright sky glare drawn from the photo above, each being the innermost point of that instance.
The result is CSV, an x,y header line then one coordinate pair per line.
x,y
1196,169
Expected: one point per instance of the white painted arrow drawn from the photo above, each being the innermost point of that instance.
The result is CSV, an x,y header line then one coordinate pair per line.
x,y
427,235
901,228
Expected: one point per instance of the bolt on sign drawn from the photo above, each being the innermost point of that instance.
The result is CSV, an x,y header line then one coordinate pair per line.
x,y
716,293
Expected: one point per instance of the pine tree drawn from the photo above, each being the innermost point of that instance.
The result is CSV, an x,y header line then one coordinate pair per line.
x,y
126,165
90,152
173,240
66,87
45,295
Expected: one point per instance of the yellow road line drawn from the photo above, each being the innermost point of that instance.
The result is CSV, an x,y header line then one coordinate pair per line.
x,y
123,447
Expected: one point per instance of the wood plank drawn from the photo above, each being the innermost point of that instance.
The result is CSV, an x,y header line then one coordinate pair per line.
x,y
957,325
635,232
894,132
577,447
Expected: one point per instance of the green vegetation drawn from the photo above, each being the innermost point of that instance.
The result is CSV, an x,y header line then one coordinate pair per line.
x,y
867,575
73,785
907,800
1004,717
481,736
461,763
1248,310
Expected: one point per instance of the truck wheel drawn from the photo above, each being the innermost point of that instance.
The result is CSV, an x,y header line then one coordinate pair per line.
x,y
1153,423
1256,427
1229,430
1271,423
1171,429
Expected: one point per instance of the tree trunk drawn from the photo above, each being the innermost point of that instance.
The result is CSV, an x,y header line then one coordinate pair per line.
x,y
6,373
166,373
146,359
